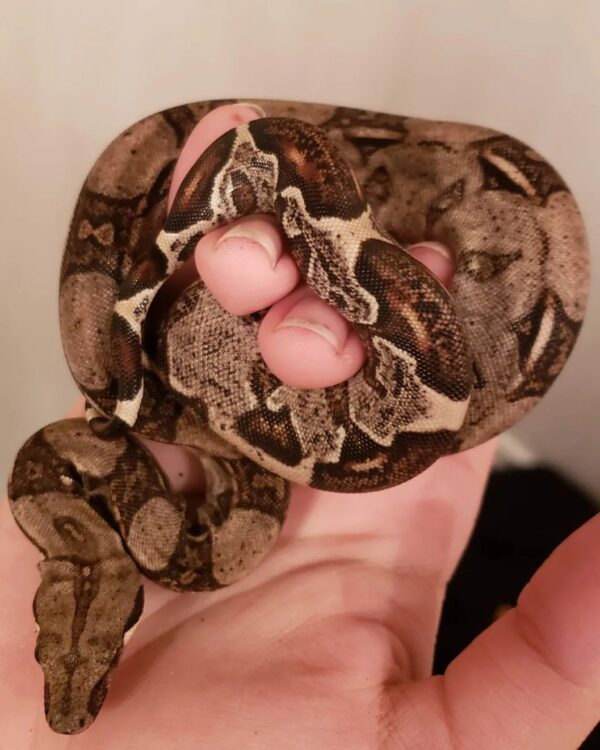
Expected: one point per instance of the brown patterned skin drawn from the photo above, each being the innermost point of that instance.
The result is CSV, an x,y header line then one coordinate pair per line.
x,y
444,371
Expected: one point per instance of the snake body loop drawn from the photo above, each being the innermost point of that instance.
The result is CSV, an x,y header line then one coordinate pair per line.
x,y
444,370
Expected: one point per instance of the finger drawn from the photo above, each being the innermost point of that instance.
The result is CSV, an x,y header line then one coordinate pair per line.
x,y
437,258
299,353
293,344
247,269
210,127
245,265
304,341
308,344
532,679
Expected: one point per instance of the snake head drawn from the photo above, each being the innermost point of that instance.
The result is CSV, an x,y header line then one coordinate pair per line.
x,y
84,615
71,700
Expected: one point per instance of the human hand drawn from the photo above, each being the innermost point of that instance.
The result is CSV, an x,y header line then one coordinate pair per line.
x,y
330,642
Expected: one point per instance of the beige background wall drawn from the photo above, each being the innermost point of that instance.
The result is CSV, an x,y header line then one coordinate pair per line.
x,y
74,74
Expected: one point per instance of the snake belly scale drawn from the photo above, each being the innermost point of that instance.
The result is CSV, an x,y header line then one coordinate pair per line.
x,y
444,371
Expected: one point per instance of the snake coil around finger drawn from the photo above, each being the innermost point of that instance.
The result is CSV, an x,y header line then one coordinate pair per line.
x,y
445,370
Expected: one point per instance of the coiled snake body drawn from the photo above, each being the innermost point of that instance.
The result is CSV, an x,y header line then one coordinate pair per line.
x,y
444,371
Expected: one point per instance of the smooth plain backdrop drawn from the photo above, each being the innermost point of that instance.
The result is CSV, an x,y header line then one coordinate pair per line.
x,y
73,75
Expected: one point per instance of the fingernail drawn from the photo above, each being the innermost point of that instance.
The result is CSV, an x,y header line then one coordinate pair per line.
x,y
256,107
260,238
317,328
311,313
437,246
437,258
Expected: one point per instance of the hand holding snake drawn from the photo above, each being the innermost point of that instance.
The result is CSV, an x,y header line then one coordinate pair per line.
x,y
441,390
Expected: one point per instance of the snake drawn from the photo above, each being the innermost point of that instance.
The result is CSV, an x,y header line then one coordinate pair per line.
x,y
445,369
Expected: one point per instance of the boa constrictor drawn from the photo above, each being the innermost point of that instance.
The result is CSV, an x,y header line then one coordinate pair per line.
x,y
444,371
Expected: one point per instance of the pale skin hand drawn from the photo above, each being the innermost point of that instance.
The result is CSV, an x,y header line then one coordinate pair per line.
x,y
330,643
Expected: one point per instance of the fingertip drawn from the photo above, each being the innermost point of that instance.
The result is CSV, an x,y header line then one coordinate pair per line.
x,y
77,409
180,466
306,343
211,126
437,258
245,266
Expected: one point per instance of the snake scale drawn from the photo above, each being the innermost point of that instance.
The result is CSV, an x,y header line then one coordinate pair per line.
x,y
444,370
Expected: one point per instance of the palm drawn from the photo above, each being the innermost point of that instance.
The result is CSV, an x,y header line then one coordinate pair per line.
x,y
313,649
330,642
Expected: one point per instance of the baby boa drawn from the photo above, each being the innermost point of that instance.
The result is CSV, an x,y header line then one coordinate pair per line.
x,y
444,371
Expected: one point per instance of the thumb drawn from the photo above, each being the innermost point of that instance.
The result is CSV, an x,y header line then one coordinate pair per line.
x,y
532,679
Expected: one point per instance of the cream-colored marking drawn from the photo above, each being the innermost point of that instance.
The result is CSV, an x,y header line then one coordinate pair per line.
x,y
93,412
129,633
372,133
321,439
347,235
74,532
105,233
372,463
544,334
380,418
301,472
421,333
511,171
353,231
539,345
170,243
133,309
127,410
